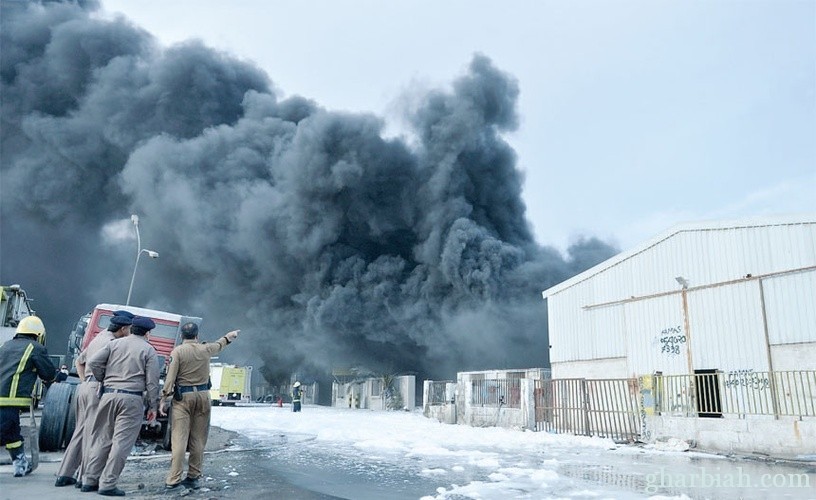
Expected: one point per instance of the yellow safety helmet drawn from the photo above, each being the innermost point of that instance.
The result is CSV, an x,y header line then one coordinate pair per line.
x,y
32,325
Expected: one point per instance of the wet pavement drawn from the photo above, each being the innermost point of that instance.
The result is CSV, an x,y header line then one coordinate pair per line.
x,y
622,472
298,466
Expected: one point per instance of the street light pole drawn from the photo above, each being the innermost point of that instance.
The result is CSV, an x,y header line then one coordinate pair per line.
x,y
139,250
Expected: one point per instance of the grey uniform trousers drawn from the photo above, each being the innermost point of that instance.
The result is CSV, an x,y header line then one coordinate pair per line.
x,y
78,451
116,428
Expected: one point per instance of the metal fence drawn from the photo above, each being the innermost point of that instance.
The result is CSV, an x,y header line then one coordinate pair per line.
x,y
437,392
496,392
743,392
603,408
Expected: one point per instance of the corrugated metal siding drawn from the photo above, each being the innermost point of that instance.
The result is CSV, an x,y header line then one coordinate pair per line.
x,y
790,307
657,340
703,257
589,334
726,326
609,328
564,327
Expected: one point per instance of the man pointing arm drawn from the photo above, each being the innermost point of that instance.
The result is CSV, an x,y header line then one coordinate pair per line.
x,y
189,372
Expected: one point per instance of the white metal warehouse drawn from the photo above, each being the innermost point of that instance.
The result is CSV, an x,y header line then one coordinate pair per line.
x,y
731,300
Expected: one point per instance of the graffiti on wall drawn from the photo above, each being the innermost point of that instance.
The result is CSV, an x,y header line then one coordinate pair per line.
x,y
671,339
647,404
746,379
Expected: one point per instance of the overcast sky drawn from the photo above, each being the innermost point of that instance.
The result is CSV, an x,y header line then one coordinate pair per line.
x,y
635,115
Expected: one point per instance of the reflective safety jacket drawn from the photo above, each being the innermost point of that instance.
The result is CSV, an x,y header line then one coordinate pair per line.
x,y
22,360
296,392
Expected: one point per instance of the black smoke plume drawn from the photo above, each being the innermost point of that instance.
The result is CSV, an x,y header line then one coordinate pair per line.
x,y
327,243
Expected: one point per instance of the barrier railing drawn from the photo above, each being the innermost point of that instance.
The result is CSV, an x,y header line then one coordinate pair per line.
x,y
496,392
742,392
436,394
601,407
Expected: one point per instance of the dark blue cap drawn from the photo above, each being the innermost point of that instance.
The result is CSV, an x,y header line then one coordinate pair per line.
x,y
126,314
121,320
142,322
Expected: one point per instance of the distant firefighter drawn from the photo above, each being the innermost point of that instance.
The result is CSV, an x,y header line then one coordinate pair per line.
x,y
297,392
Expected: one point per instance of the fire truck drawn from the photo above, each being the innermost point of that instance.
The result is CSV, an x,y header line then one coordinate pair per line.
x,y
59,415
230,384
14,306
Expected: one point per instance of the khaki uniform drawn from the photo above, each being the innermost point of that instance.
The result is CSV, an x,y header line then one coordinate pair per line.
x,y
78,452
128,367
190,418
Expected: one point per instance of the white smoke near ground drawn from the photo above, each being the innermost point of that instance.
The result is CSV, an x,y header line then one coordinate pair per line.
x,y
326,242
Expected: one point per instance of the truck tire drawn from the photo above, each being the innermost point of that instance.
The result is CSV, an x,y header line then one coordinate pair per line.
x,y
56,406
70,424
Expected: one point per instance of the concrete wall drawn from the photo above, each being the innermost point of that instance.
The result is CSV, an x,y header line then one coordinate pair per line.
x,y
367,393
495,416
443,412
794,357
785,437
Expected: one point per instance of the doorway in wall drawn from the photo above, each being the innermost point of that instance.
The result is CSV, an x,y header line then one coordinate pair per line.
x,y
707,390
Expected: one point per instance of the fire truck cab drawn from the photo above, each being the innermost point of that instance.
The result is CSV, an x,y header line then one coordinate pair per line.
x,y
59,414
163,338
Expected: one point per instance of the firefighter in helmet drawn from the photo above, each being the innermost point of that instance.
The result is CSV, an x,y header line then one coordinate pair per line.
x,y
22,360
297,392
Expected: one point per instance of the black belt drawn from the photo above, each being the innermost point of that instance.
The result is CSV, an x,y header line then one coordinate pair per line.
x,y
193,388
122,391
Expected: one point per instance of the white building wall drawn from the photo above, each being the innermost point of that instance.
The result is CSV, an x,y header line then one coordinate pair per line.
x,y
750,306
622,307
727,330
595,368
790,305
656,337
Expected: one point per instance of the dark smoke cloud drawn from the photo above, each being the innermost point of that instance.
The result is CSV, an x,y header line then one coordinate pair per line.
x,y
326,242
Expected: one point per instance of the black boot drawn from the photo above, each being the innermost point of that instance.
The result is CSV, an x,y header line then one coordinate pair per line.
x,y
22,466
191,483
64,481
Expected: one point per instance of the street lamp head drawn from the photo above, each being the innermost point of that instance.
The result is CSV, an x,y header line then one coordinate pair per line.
x,y
682,281
151,254
134,219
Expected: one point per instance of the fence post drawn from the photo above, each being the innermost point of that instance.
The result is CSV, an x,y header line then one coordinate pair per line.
x,y
585,397
527,406
646,403
427,387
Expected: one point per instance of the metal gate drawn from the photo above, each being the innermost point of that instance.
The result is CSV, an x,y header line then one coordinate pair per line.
x,y
603,407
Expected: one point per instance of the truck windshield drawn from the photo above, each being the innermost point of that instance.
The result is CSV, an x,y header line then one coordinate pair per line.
x,y
161,330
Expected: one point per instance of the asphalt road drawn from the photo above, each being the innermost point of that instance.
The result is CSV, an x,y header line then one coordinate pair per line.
x,y
230,471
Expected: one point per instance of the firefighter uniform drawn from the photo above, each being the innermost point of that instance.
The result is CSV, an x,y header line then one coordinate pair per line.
x,y
127,368
77,454
189,370
22,360
297,392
